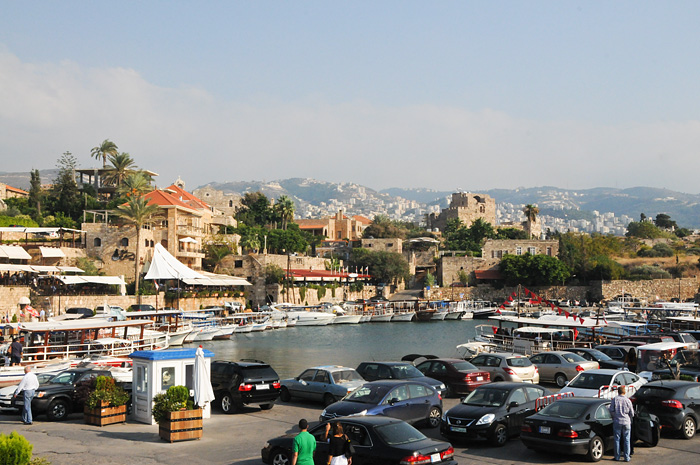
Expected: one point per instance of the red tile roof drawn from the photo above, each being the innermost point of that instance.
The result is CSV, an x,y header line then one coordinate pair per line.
x,y
15,189
165,199
188,198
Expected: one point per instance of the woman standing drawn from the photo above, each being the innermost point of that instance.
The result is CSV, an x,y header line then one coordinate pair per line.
x,y
338,447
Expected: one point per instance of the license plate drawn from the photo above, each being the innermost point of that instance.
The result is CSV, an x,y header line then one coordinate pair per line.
x,y
435,458
545,429
479,378
458,429
263,386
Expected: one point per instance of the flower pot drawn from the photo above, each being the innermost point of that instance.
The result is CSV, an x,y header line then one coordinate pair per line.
x,y
105,415
181,426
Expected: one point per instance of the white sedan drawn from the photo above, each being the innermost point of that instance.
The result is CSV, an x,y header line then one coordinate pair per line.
x,y
603,383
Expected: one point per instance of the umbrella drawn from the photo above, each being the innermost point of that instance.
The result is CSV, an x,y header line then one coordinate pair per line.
x,y
203,391
191,240
24,300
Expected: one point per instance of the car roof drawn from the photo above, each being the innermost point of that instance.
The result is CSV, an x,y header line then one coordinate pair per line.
x,y
671,383
507,385
330,368
584,400
392,382
450,360
390,363
605,371
369,420
504,354
242,364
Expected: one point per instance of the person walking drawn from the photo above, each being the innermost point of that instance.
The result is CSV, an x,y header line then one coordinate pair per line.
x,y
27,387
5,351
338,446
622,412
631,360
15,352
304,445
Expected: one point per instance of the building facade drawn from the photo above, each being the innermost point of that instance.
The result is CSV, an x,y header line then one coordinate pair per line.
x,y
336,227
467,208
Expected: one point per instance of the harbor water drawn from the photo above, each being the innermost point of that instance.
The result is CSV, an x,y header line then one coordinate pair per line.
x,y
291,350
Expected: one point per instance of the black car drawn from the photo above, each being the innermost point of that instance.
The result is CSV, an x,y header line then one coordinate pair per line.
x,y
615,351
84,312
459,376
377,440
583,426
242,383
685,362
675,403
493,411
410,401
373,371
595,355
141,308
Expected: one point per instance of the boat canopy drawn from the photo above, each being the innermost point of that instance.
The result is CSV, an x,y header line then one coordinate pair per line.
x,y
84,323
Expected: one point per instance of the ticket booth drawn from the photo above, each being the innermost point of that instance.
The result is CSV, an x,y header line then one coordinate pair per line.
x,y
154,371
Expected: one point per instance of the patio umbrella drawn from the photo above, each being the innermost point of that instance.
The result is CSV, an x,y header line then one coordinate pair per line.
x,y
203,391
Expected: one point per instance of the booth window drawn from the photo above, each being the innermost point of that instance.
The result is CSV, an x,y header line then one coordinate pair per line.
x,y
140,378
167,378
189,376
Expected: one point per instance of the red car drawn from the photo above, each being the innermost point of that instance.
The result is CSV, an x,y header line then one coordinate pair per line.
x,y
460,376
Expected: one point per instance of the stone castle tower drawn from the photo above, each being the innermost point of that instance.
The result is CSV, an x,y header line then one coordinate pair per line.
x,y
466,207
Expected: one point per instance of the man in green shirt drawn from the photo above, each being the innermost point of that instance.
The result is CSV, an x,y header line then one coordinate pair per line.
x,y
304,446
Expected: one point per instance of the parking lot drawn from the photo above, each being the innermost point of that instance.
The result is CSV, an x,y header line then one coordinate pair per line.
x,y
238,439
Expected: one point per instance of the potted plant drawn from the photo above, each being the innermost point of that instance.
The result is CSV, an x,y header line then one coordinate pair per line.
x,y
176,415
106,402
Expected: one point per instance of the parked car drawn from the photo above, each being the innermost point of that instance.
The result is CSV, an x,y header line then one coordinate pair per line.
x,y
376,440
459,376
242,383
615,351
84,312
683,337
494,411
7,392
594,355
507,367
373,371
686,362
675,403
590,383
560,366
325,384
411,401
141,308
581,426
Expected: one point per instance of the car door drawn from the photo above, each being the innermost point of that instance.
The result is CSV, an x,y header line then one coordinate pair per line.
x,y
360,440
396,404
302,388
602,423
541,361
427,368
420,401
319,386
516,410
632,381
322,446
693,399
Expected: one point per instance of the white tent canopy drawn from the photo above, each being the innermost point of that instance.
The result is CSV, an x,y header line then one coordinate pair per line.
x,y
14,252
191,240
112,280
51,252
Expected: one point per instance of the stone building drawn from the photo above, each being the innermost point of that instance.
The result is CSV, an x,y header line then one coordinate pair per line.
x,y
467,208
336,227
226,203
8,192
383,245
498,248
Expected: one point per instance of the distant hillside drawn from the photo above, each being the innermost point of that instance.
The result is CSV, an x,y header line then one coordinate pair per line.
x,y
21,180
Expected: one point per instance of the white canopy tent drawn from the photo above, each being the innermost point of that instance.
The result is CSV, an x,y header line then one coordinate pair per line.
x,y
111,280
14,252
51,252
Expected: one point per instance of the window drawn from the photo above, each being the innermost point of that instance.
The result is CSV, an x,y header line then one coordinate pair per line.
x,y
167,377
603,413
518,396
230,203
238,264
539,358
482,209
322,377
124,242
307,376
141,378
518,250
549,251
534,392
532,250
693,393
97,242
418,390
339,233
146,244
400,394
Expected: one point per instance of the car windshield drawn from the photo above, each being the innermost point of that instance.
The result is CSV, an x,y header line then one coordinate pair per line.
x,y
345,376
486,397
598,355
654,391
405,372
573,358
563,409
519,362
399,433
590,381
368,394
463,366
687,358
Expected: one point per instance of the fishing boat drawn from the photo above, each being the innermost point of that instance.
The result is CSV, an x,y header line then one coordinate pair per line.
x,y
167,321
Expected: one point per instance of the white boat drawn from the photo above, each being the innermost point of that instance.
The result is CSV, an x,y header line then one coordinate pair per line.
x,y
13,375
310,317
403,316
347,319
206,334
243,328
454,314
439,316
177,337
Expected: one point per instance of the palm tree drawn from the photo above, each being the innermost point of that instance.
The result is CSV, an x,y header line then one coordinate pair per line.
x,y
250,241
136,183
531,212
138,212
122,166
284,208
103,150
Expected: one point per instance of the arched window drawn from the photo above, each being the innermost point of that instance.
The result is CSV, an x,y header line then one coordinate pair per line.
x,y
164,243
146,243
125,242
230,203
482,209
97,242
152,244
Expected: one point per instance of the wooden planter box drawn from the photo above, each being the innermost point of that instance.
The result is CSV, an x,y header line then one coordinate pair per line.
x,y
105,415
182,426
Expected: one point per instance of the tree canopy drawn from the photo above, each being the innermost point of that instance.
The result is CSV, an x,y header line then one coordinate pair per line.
x,y
386,267
533,270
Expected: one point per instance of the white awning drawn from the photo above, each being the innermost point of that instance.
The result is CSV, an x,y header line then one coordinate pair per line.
x,y
189,239
51,252
45,268
14,252
13,267
70,269
165,266
111,280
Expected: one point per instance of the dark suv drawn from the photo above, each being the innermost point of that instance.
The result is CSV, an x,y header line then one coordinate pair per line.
x,y
246,382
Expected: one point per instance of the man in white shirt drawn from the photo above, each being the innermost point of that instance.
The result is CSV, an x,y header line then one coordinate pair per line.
x,y
28,385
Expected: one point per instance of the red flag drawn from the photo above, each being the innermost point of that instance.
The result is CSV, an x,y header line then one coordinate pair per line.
x,y
503,307
566,314
498,311
581,320
494,329
510,299
575,334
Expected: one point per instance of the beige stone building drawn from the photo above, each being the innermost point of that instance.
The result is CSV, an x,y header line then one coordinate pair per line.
x,y
226,203
9,192
383,245
336,227
467,208
498,248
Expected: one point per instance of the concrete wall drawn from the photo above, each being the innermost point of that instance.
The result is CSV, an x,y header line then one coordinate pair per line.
x,y
383,245
649,291
9,299
449,267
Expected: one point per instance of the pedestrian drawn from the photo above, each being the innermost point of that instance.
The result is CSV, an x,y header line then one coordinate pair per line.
x,y
338,446
5,351
15,352
631,360
42,315
622,412
27,386
304,445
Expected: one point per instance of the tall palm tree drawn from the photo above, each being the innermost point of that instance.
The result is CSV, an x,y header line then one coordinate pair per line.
x,y
122,166
136,183
103,150
138,212
250,241
284,208
531,212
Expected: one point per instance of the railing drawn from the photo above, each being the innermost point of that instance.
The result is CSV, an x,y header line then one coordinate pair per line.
x,y
542,402
91,347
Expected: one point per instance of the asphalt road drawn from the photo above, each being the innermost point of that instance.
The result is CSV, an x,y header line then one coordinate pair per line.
x,y
238,438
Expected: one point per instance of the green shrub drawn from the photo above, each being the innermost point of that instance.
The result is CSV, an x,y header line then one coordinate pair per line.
x,y
104,389
174,399
302,293
15,449
320,292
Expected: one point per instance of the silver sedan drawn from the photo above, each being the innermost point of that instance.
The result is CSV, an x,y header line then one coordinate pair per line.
x,y
325,384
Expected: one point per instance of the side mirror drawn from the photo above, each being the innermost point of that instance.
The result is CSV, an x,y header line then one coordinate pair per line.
x,y
302,382
513,405
393,400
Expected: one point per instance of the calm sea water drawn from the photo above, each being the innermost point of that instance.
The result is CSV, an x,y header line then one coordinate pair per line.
x,y
292,350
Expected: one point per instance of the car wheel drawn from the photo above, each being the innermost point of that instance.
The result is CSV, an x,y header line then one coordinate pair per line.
x,y
497,379
58,410
285,396
434,417
688,428
280,457
596,449
560,379
499,436
328,399
228,405
267,406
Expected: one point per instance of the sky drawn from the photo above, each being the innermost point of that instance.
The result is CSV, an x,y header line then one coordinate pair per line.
x,y
447,95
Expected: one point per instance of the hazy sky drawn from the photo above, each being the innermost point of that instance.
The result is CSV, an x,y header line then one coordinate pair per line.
x,y
445,95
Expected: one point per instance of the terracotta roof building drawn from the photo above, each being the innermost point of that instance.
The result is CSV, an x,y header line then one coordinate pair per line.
x,y
336,227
